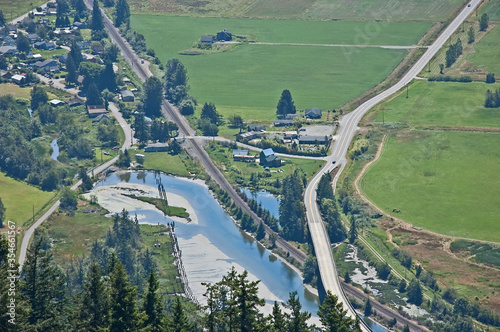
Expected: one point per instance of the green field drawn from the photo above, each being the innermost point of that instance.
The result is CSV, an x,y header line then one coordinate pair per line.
x,y
20,198
446,182
249,79
492,8
487,51
424,10
441,104
180,165
12,9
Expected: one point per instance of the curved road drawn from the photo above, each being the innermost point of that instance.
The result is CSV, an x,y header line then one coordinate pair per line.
x,y
348,127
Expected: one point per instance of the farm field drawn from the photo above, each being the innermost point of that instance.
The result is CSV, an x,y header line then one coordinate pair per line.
x,y
447,104
445,182
492,8
20,198
486,52
249,79
15,8
424,10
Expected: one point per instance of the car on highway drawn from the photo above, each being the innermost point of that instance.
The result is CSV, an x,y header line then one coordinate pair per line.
x,y
333,162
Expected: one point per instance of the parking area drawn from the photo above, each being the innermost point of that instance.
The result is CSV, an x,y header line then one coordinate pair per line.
x,y
317,130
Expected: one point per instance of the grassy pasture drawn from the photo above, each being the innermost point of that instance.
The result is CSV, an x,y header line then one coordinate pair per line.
x,y
249,79
19,199
442,181
492,8
12,9
487,51
423,10
441,104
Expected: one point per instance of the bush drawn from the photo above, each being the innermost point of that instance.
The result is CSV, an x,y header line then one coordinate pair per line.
x,y
461,79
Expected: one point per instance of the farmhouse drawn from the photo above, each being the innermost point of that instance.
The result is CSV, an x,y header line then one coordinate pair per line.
x,y
248,136
33,37
207,39
256,128
269,159
127,96
292,116
156,147
224,35
314,113
95,110
18,79
314,139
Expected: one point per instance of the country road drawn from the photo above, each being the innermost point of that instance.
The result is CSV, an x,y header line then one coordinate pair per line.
x,y
347,130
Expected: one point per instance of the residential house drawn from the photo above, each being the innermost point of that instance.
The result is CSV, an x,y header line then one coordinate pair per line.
x,y
127,96
12,28
47,65
282,122
40,45
6,74
314,140
156,147
51,11
33,37
49,46
100,117
224,35
243,155
84,45
63,58
314,113
269,159
256,128
75,101
96,110
207,39
292,116
18,79
97,48
248,136
34,57
80,25
8,50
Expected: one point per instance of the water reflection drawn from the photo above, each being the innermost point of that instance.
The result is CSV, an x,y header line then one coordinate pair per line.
x,y
55,149
267,200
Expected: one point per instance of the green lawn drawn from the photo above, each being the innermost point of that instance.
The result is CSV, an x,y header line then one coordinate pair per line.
x,y
249,79
487,51
446,182
426,10
492,8
179,165
441,104
20,198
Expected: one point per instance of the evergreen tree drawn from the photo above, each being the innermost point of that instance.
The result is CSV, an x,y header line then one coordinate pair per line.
x,y
490,78
472,35
122,13
79,6
152,97
333,317
285,104
2,19
210,113
94,301
94,95
414,292
43,286
62,7
402,286
175,77
22,43
108,78
97,24
347,278
483,22
353,233
179,321
153,307
292,211
277,319
75,54
261,232
248,302
296,319
72,75
124,316
368,308
39,97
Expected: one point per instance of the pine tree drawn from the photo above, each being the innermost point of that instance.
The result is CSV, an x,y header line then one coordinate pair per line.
x,y
94,95
490,78
108,78
483,22
75,54
414,292
94,305
277,319
285,104
124,316
210,113
97,23
353,233
153,307
296,319
333,316
472,35
248,302
261,232
39,97
152,97
368,308
122,13
179,321
72,76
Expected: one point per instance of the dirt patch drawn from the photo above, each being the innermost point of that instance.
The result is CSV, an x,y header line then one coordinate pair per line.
x,y
406,136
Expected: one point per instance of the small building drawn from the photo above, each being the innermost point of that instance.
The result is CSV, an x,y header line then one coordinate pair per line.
x,y
6,74
12,28
282,123
224,35
8,50
248,136
84,45
256,128
75,101
292,116
51,11
18,79
80,25
63,58
243,155
314,140
49,46
314,113
34,57
156,147
39,45
56,102
47,65
97,48
127,96
96,110
101,117
33,37
207,39
269,159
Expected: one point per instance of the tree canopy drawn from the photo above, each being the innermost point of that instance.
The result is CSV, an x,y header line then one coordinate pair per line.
x,y
285,104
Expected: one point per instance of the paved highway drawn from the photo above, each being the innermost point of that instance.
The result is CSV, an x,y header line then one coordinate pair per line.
x,y
347,129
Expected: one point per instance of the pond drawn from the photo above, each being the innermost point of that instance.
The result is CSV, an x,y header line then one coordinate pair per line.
x,y
268,201
55,149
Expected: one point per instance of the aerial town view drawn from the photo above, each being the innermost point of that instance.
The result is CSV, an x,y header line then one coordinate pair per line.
x,y
249,165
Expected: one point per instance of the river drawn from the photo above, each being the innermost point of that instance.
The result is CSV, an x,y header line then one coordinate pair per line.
x,y
211,244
